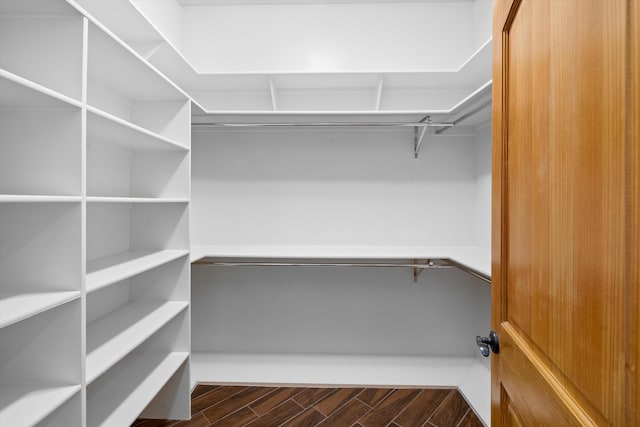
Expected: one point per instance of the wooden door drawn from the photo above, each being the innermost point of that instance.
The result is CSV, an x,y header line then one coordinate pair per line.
x,y
565,213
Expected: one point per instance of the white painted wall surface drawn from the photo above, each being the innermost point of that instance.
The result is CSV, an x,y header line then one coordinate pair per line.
x,y
329,187
328,37
324,310
166,16
483,187
483,16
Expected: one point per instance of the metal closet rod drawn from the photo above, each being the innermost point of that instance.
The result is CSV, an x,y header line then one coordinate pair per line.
x,y
215,263
466,115
425,124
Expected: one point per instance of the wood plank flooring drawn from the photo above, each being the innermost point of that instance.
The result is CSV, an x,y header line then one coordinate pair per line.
x,y
238,406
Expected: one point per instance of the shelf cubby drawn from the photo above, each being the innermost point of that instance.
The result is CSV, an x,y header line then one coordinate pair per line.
x,y
50,48
17,403
116,399
114,335
41,137
126,162
39,258
118,395
122,84
40,365
106,270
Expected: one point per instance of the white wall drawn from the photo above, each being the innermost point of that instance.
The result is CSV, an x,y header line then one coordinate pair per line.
x,y
483,187
324,310
325,36
483,15
330,187
166,15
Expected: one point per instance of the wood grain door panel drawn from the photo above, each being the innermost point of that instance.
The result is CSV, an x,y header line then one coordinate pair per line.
x,y
561,194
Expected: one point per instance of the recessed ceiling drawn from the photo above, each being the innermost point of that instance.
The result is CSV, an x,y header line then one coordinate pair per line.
x,y
273,2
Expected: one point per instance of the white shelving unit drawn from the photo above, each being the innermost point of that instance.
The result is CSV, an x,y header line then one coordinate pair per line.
x,y
94,241
137,278
95,200
40,214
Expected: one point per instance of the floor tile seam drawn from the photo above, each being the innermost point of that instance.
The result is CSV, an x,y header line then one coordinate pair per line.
x,y
441,403
226,416
341,406
406,406
463,417
316,401
237,409
246,405
293,416
368,406
386,396
324,417
397,413
260,398
223,400
365,414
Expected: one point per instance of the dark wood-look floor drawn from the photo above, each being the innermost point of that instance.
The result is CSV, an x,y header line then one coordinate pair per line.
x,y
237,406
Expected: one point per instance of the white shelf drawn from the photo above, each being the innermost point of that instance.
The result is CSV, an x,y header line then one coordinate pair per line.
x,y
347,370
472,257
29,404
111,269
20,198
112,129
121,400
110,59
111,337
18,92
96,199
15,306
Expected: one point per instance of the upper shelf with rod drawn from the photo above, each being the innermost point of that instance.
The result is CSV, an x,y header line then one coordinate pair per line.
x,y
473,110
410,90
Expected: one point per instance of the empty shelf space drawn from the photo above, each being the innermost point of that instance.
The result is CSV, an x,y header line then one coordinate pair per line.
x,y
107,270
105,126
29,404
18,92
118,401
15,306
20,198
111,337
96,199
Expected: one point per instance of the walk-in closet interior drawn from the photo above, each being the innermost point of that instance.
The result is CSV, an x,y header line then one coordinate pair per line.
x,y
240,192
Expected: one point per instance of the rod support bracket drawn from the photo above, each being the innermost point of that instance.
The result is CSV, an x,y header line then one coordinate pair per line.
x,y
418,136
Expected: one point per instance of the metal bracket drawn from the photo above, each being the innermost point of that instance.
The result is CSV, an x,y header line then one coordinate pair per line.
x,y
418,135
427,264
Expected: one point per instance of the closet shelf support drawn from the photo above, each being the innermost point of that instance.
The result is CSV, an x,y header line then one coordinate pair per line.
x,y
419,133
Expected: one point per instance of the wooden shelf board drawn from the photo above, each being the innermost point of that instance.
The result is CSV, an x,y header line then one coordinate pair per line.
x,y
100,199
103,126
121,399
29,404
16,306
20,198
111,269
115,335
348,370
475,258
18,92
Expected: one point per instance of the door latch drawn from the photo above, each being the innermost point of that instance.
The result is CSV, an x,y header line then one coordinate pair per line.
x,y
488,344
